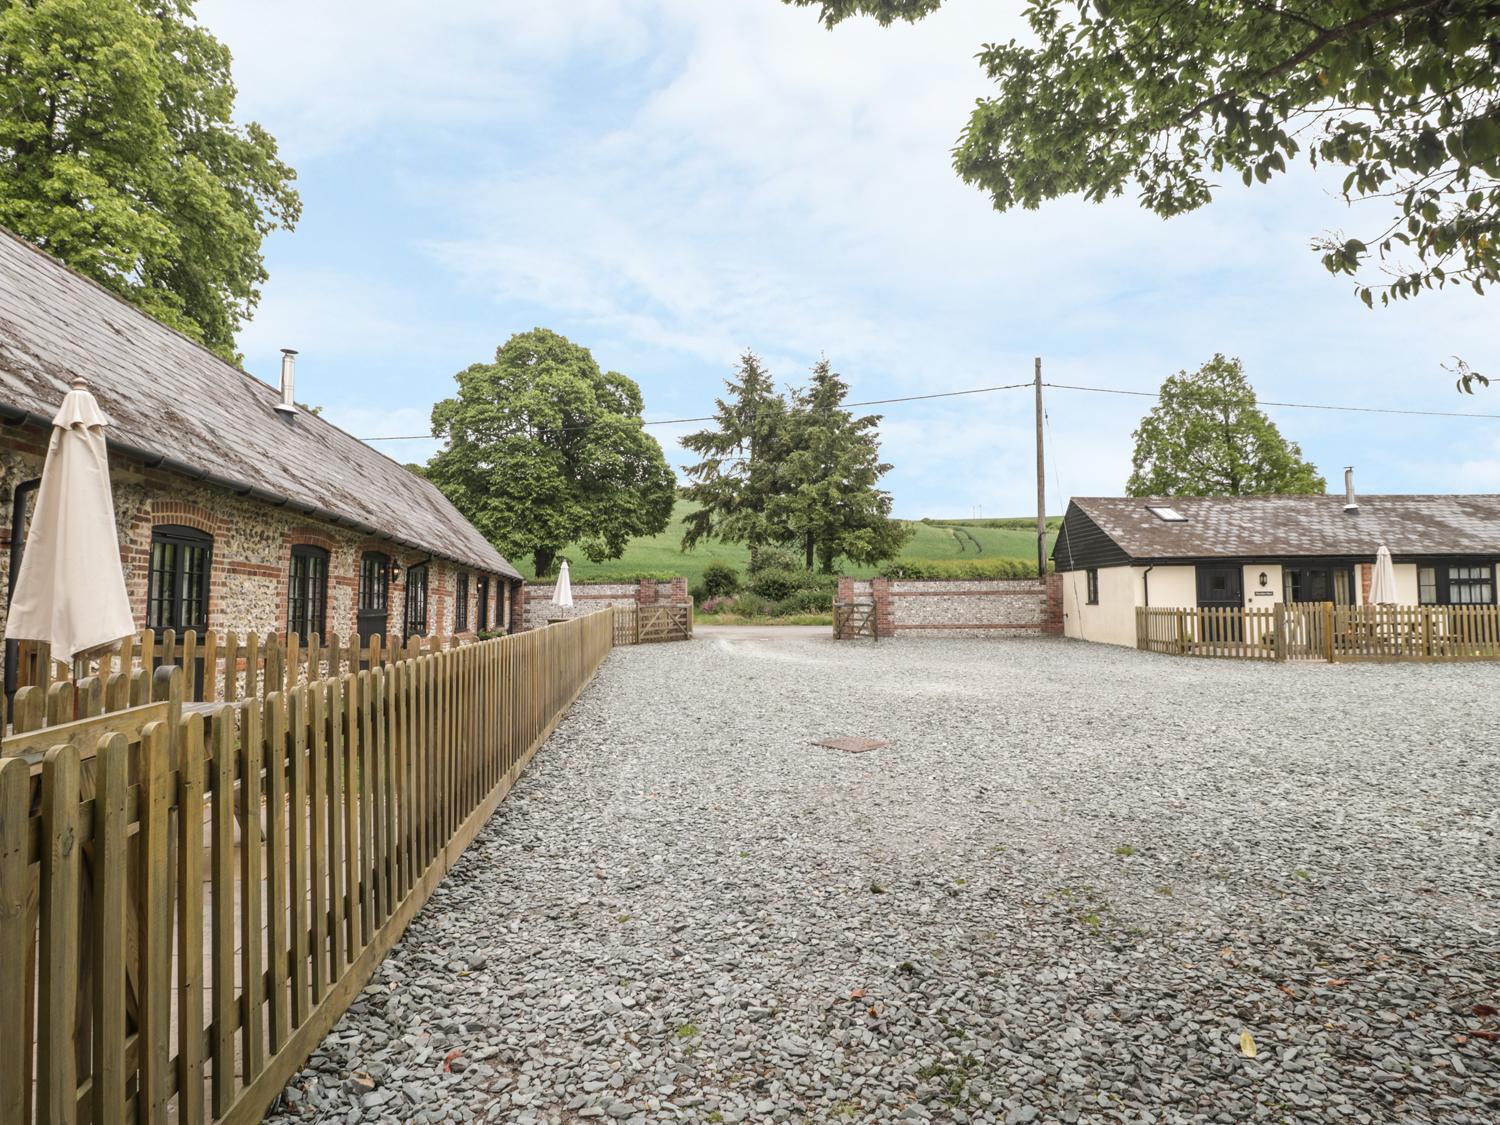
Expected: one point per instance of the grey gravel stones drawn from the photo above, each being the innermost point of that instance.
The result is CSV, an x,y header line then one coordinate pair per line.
x,y
1061,894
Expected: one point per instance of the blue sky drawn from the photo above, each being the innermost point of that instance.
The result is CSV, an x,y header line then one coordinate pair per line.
x,y
670,182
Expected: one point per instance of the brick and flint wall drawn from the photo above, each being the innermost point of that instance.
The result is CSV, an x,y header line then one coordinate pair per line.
x,y
588,597
1007,607
252,546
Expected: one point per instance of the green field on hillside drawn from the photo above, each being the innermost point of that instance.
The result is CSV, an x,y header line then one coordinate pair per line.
x,y
967,540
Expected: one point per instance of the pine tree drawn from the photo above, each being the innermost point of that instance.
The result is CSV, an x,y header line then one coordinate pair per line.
x,y
832,507
738,473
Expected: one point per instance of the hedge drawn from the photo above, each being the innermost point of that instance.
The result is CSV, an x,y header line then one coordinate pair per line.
x,y
959,569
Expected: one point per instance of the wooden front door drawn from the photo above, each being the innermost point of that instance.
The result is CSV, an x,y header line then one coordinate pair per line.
x,y
1221,588
374,596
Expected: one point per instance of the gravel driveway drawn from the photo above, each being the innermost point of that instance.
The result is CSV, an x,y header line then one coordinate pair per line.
x,y
1080,884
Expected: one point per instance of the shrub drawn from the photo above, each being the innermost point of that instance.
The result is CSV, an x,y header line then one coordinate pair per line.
x,y
774,558
808,601
716,605
959,569
775,584
698,594
814,580
750,605
720,579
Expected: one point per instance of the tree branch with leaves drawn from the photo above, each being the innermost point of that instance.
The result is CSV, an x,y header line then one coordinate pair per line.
x,y
1163,97
119,155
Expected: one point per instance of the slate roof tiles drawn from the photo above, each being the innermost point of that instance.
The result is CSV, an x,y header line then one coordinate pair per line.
x,y
169,397
1299,526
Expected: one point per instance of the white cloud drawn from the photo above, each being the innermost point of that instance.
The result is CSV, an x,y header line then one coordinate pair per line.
x,y
331,73
676,181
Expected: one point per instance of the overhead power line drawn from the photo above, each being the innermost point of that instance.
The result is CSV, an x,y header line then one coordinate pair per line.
x,y
1055,386
714,417
1290,405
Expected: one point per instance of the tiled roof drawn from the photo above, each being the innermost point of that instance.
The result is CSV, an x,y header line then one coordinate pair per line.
x,y
1298,526
170,398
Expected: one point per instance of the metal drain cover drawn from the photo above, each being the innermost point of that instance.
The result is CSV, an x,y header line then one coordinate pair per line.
x,y
852,745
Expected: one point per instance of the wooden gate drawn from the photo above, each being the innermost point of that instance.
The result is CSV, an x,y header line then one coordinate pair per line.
x,y
855,619
663,623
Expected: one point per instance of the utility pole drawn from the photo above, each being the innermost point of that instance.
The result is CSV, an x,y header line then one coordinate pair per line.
x,y
1041,482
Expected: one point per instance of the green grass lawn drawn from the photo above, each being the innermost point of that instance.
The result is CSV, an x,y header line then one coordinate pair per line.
x,y
978,540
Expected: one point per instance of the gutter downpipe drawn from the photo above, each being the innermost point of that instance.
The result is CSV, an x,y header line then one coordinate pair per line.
x,y
1146,583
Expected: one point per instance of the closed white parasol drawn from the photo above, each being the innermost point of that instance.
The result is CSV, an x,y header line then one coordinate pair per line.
x,y
70,591
1383,581
562,593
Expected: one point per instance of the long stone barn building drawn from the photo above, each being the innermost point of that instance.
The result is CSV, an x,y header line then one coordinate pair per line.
x,y
237,510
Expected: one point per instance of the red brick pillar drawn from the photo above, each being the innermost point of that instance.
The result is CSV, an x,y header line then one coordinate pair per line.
x,y
1366,578
1052,612
885,619
679,594
517,606
646,595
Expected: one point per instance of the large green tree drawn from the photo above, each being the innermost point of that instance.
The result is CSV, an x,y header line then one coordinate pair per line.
x,y
545,449
1207,437
1163,97
119,154
833,505
739,471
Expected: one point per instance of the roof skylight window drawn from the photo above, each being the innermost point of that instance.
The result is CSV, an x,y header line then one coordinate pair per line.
x,y
1166,515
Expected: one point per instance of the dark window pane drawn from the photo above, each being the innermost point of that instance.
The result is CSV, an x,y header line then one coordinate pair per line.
x,y
416,601
1471,585
307,591
374,582
177,585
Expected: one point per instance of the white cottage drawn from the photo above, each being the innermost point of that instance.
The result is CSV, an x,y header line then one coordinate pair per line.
x,y
1119,553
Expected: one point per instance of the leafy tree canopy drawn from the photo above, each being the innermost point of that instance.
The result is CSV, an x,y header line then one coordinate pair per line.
x,y
545,449
1207,437
1165,96
833,503
119,155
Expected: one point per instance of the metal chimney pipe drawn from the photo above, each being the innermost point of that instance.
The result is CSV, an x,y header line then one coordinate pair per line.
x,y
1350,503
288,403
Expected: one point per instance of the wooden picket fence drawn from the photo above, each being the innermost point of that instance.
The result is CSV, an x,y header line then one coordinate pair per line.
x,y
227,667
1324,631
191,895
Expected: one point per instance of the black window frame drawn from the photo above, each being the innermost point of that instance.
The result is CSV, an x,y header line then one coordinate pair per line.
x,y
461,603
416,601
1091,576
374,574
1304,580
307,607
173,548
1444,581
482,621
